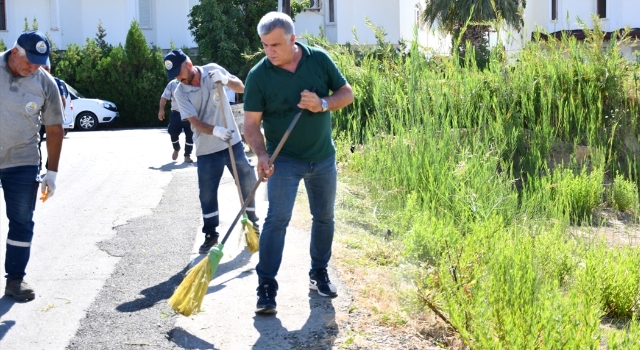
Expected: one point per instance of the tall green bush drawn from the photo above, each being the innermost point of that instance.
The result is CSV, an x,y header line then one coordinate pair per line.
x,y
133,76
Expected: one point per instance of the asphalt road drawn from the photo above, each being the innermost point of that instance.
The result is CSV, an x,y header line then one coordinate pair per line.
x,y
116,239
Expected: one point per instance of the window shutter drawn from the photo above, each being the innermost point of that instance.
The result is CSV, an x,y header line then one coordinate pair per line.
x,y
3,17
144,13
53,15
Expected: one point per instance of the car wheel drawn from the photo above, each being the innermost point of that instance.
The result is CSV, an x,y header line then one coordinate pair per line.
x,y
87,121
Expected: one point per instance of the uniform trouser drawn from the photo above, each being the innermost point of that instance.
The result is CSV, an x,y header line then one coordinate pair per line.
x,y
320,181
176,126
210,169
20,187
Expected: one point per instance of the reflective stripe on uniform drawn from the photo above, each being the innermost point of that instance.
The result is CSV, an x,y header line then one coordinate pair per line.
x,y
18,244
210,215
251,209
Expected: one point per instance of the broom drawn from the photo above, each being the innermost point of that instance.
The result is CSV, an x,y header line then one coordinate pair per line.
x,y
250,234
187,299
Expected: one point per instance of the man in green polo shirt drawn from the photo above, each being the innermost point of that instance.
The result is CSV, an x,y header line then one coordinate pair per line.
x,y
275,89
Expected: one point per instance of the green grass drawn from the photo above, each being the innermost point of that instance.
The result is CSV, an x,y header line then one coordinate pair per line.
x,y
457,175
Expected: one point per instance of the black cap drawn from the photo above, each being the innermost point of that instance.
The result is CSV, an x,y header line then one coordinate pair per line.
x,y
36,45
173,61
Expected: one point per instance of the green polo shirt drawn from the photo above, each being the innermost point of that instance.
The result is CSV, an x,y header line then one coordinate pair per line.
x,y
276,93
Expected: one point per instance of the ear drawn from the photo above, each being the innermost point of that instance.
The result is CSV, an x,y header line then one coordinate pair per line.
x,y
293,39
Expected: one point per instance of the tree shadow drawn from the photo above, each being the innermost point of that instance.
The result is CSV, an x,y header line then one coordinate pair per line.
x,y
174,166
6,303
319,332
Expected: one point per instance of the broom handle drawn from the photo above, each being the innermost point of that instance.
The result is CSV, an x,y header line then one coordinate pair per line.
x,y
233,159
255,187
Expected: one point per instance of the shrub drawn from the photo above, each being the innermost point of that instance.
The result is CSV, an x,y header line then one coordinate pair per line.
x,y
624,194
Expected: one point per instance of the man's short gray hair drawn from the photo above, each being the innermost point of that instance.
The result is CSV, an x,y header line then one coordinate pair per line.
x,y
273,20
20,49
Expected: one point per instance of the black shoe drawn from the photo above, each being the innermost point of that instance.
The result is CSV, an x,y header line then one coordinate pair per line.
x,y
319,280
256,228
210,239
19,290
266,299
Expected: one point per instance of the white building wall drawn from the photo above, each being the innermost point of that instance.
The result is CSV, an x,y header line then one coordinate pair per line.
x,y
38,9
172,23
78,20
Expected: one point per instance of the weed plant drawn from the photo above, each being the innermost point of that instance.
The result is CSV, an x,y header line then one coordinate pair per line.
x,y
462,165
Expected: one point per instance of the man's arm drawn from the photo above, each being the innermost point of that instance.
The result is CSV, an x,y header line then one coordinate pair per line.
x,y
235,84
200,125
55,134
338,100
163,102
255,139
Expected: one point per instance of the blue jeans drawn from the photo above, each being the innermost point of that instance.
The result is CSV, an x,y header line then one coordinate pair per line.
x,y
176,126
210,169
320,180
20,186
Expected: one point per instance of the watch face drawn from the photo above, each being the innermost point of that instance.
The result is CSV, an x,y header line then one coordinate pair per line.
x,y
325,105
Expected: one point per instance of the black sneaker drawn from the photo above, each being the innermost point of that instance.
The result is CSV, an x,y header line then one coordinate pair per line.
x,y
210,239
319,280
266,299
256,227
19,290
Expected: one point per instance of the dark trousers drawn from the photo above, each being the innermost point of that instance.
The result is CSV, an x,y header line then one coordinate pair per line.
x,y
20,187
210,169
176,126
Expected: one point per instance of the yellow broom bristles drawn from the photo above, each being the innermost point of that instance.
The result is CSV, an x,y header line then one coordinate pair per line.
x,y
250,235
187,299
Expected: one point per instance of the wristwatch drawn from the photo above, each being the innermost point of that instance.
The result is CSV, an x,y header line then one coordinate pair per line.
x,y
325,105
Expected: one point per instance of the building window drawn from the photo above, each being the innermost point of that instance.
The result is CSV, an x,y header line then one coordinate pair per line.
x,y
554,10
144,13
53,14
332,12
3,15
602,8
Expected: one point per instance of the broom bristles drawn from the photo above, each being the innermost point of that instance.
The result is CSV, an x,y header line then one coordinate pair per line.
x,y
250,235
188,297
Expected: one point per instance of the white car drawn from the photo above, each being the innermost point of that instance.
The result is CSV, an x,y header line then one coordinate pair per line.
x,y
87,113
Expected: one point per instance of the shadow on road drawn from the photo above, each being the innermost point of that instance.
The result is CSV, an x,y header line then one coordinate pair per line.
x,y
174,166
153,295
5,325
181,336
319,332
237,262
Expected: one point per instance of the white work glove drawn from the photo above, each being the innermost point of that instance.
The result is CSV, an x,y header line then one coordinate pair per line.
x,y
223,133
218,76
48,184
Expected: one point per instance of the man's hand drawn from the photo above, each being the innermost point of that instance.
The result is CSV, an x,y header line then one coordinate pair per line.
x,y
48,185
223,133
263,167
218,76
310,101
161,115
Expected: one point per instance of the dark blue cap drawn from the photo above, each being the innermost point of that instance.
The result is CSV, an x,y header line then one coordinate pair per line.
x,y
36,45
173,61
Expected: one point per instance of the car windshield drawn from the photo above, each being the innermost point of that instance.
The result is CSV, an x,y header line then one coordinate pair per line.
x,y
74,91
